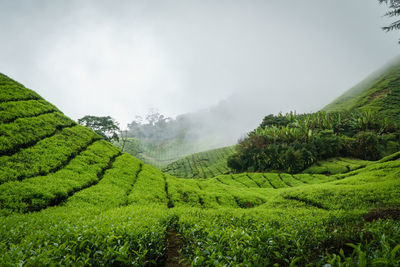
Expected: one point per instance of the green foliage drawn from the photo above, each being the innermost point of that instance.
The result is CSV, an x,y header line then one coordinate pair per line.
x,y
11,90
379,92
85,237
98,207
113,189
41,191
281,239
149,188
201,165
336,166
308,138
27,131
47,155
230,219
10,111
106,127
271,120
367,146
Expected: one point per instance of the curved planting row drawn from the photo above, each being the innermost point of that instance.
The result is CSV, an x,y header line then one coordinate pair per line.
x,y
201,165
113,189
211,194
89,228
337,165
25,132
362,190
11,90
40,192
10,111
47,155
212,219
149,188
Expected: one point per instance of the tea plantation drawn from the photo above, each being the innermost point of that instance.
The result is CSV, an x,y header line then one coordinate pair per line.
x,y
380,91
68,198
201,165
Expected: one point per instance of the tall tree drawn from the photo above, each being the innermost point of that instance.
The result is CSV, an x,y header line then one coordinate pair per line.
x,y
107,127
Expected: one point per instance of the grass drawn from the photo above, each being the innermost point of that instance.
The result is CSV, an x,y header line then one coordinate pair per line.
x,y
68,198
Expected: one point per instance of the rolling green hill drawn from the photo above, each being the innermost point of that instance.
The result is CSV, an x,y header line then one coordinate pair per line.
x,y
157,156
380,92
68,198
205,164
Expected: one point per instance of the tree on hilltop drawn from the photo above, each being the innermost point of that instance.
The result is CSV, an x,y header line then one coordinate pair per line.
x,y
106,127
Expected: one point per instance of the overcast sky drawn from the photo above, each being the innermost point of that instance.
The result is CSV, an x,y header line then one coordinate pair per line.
x,y
121,58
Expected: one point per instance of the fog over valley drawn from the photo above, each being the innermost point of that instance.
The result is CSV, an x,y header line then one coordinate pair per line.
x,y
226,63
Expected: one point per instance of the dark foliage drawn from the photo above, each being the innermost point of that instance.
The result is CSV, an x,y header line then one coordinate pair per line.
x,y
106,127
295,142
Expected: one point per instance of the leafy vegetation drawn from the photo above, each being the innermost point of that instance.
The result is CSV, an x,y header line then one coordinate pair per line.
x,y
201,165
39,192
106,224
68,198
25,132
14,91
295,142
336,166
10,111
47,155
106,127
379,92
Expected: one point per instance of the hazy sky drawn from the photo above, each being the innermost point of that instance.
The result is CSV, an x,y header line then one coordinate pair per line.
x,y
121,58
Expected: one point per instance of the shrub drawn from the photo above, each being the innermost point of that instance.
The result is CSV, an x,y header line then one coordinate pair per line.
x,y
293,142
366,146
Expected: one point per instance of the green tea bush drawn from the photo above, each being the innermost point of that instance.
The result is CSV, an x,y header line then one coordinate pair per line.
x,y
128,236
47,155
27,131
40,192
10,111
149,188
201,165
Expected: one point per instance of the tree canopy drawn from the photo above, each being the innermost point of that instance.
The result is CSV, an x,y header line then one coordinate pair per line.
x,y
107,127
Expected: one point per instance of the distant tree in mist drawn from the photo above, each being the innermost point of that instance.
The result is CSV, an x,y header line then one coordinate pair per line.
x,y
107,127
394,10
156,127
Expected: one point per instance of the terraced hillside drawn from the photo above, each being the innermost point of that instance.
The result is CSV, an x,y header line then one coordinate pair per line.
x,y
205,164
378,92
153,154
68,198
337,166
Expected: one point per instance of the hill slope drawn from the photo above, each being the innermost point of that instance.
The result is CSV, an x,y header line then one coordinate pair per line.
x,y
68,198
379,92
205,164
